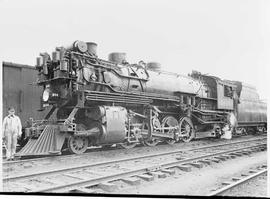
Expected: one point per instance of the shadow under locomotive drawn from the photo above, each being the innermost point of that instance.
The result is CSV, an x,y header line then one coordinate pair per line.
x,y
95,102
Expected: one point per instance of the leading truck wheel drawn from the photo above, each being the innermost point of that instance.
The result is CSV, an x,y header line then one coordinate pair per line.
x,y
128,145
151,142
77,144
187,132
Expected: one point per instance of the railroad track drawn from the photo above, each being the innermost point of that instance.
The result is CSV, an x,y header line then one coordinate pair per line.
x,y
238,181
52,159
36,166
143,167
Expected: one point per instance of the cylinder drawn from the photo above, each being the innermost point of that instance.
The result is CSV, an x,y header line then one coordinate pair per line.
x,y
117,57
155,66
92,48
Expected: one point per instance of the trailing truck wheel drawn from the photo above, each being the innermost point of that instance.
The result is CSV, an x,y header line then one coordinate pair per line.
x,y
77,144
187,132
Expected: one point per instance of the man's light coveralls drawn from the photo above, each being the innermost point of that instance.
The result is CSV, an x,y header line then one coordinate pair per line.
x,y
12,128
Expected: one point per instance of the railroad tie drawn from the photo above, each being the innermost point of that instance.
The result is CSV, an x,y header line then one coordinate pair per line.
x,y
226,183
237,154
232,156
153,168
221,158
106,186
226,156
236,178
205,161
146,177
158,174
184,168
215,160
197,165
244,175
82,190
169,171
246,152
132,181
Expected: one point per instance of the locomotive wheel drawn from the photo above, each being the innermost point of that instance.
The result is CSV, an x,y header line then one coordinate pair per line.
x,y
169,121
261,130
243,131
153,141
77,144
127,145
186,129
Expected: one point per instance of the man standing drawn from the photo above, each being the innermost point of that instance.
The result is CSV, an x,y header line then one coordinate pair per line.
x,y
12,129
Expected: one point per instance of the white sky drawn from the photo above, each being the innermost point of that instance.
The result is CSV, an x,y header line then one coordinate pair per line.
x,y
228,38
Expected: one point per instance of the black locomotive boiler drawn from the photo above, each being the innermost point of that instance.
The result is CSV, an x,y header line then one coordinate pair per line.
x,y
96,102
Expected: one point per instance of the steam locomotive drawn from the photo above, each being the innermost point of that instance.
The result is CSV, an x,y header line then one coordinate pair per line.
x,y
97,102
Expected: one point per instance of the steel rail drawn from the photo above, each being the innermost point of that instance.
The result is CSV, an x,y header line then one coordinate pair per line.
x,y
95,181
115,161
237,183
59,157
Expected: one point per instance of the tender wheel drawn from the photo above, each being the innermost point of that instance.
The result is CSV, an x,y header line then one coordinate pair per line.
x,y
242,131
187,132
127,145
77,144
153,141
169,121
261,130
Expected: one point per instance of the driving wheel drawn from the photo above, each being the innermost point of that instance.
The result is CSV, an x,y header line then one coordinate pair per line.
x,y
153,141
187,132
167,122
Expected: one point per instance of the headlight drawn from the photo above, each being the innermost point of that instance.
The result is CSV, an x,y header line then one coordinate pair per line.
x,y
46,95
